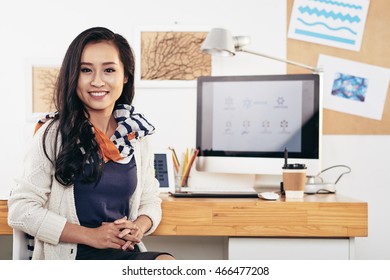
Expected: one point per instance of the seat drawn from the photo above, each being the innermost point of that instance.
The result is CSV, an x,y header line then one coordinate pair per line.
x,y
22,245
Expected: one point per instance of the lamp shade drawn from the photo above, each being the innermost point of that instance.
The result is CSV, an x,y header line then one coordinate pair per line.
x,y
219,42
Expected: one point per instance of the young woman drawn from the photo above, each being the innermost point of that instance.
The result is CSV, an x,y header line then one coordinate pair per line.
x,y
88,189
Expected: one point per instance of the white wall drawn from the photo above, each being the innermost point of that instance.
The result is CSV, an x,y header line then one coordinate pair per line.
x,y
369,181
42,29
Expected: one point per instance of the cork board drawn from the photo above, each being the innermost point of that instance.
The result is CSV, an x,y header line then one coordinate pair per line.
x,y
375,50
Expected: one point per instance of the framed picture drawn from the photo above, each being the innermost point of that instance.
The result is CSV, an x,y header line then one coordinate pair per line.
x,y
170,56
41,78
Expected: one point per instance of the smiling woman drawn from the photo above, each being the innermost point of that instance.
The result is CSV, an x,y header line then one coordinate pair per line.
x,y
100,82
88,189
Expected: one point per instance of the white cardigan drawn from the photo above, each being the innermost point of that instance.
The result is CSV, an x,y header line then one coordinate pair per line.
x,y
40,206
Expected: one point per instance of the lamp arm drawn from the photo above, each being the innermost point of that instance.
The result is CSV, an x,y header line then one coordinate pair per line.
x,y
314,69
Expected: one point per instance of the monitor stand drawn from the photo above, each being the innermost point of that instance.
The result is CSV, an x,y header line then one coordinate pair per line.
x,y
267,183
200,181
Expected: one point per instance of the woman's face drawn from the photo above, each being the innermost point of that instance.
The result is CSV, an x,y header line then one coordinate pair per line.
x,y
101,77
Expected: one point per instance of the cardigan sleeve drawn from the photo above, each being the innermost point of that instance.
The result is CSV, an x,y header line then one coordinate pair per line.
x,y
28,203
150,201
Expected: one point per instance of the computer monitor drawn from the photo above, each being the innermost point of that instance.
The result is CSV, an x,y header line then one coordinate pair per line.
x,y
245,123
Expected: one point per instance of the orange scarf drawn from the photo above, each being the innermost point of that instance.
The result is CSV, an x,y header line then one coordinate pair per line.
x,y
131,127
107,147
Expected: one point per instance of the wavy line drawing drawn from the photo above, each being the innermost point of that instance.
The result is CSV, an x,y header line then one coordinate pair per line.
x,y
325,36
327,26
327,14
337,3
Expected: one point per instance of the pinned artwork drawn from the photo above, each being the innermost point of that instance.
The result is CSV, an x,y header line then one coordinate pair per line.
x,y
353,87
350,87
336,23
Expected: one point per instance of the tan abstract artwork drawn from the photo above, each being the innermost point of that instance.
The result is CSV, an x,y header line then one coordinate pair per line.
x,y
43,85
173,55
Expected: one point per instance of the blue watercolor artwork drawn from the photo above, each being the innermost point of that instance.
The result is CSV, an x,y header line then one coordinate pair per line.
x,y
350,87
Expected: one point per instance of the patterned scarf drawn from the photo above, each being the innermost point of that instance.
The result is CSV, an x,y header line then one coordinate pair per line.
x,y
120,147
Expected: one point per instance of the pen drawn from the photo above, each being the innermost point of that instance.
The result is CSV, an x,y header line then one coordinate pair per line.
x,y
285,156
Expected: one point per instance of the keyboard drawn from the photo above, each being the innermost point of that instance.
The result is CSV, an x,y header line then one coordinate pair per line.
x,y
215,194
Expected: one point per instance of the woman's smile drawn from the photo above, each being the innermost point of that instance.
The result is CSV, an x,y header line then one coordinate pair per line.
x,y
101,78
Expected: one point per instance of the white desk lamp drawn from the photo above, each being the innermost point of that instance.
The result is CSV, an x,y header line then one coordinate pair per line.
x,y
219,41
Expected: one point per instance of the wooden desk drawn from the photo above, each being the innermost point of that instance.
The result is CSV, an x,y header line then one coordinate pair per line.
x,y
314,216
318,227
4,228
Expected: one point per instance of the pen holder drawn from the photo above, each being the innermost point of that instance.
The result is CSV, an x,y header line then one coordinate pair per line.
x,y
181,182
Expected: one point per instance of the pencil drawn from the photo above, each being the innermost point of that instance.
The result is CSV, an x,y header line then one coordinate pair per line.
x,y
187,170
176,162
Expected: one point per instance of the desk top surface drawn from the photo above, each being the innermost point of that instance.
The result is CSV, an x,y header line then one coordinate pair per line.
x,y
320,215
4,228
312,198
313,216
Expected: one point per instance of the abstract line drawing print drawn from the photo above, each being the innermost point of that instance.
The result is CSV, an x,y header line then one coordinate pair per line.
x,y
173,55
350,87
43,84
334,23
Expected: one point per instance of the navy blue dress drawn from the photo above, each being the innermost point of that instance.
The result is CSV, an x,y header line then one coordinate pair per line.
x,y
107,201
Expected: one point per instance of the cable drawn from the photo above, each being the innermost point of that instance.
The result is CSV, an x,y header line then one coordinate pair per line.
x,y
334,166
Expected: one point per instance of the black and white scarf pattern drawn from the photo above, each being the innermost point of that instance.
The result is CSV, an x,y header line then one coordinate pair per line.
x,y
129,122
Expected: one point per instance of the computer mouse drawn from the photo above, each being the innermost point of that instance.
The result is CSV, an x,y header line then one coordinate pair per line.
x,y
268,195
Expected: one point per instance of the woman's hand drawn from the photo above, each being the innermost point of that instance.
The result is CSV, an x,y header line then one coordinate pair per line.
x,y
108,235
129,232
133,229
105,236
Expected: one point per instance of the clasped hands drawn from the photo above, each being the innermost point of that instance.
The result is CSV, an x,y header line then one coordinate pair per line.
x,y
120,234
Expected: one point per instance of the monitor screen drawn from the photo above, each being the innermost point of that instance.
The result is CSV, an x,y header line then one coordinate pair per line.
x,y
246,118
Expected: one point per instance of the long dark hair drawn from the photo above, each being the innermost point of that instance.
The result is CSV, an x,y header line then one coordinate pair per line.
x,y
78,146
